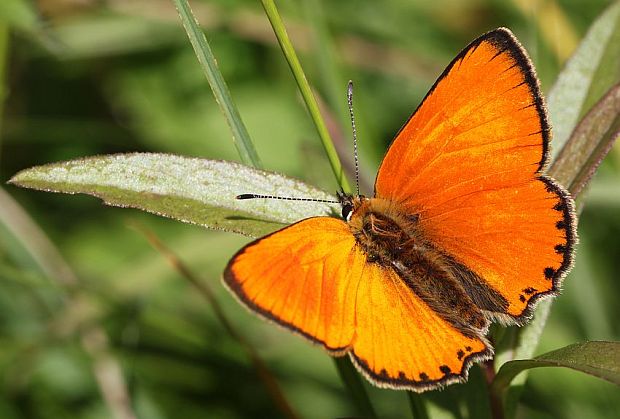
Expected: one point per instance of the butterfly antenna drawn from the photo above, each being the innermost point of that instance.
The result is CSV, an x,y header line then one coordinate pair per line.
x,y
285,198
350,102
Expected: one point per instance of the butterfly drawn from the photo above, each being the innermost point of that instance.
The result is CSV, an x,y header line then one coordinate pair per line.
x,y
464,229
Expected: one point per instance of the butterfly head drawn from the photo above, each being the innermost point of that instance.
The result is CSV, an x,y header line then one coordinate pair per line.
x,y
350,204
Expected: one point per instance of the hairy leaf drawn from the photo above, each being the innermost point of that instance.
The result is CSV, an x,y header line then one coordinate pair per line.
x,y
192,190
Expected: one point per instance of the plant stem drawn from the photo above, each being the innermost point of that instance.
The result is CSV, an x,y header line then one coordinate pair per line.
x,y
495,399
351,378
306,92
418,408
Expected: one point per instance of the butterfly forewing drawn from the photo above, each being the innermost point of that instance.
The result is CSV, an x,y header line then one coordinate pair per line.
x,y
469,162
304,277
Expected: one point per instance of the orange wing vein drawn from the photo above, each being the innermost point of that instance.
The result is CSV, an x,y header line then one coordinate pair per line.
x,y
470,162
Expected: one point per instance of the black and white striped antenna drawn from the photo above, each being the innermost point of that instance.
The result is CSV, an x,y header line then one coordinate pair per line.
x,y
357,171
350,103
285,198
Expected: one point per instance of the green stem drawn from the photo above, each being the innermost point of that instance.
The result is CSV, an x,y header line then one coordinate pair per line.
x,y
4,53
418,408
241,138
351,378
306,92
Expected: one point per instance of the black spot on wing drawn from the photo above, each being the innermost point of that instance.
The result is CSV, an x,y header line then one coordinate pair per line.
x,y
564,247
549,273
560,206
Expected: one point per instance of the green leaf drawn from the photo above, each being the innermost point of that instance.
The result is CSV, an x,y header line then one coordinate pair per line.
x,y
192,190
600,359
589,144
588,74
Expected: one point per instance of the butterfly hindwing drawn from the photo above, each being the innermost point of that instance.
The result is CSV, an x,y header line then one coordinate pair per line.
x,y
401,342
469,162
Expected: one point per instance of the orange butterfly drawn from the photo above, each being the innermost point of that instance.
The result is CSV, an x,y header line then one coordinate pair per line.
x,y
464,229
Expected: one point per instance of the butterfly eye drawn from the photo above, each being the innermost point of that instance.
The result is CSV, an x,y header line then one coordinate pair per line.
x,y
347,211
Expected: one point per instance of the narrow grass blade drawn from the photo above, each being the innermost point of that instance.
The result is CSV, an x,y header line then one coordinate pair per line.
x,y
4,54
306,92
599,359
191,190
417,405
241,138
352,380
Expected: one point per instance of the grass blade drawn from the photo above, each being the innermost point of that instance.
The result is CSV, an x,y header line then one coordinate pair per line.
x,y
199,42
351,378
306,92
417,406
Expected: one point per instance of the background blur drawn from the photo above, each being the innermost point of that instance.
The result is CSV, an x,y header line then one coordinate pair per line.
x,y
86,77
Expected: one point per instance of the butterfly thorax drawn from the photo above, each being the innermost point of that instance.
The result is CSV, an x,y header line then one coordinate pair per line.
x,y
383,231
394,239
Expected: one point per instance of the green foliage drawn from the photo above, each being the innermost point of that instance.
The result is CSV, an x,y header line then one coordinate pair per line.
x,y
195,191
112,319
600,359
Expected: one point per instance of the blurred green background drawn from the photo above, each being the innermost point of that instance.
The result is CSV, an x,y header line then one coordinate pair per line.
x,y
86,77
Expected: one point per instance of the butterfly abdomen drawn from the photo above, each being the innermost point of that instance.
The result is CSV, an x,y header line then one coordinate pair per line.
x,y
394,241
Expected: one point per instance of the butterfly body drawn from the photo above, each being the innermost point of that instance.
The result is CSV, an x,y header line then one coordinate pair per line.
x,y
393,239
464,229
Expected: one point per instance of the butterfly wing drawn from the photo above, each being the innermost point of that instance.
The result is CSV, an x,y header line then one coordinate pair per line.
x,y
312,278
401,343
304,277
469,161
